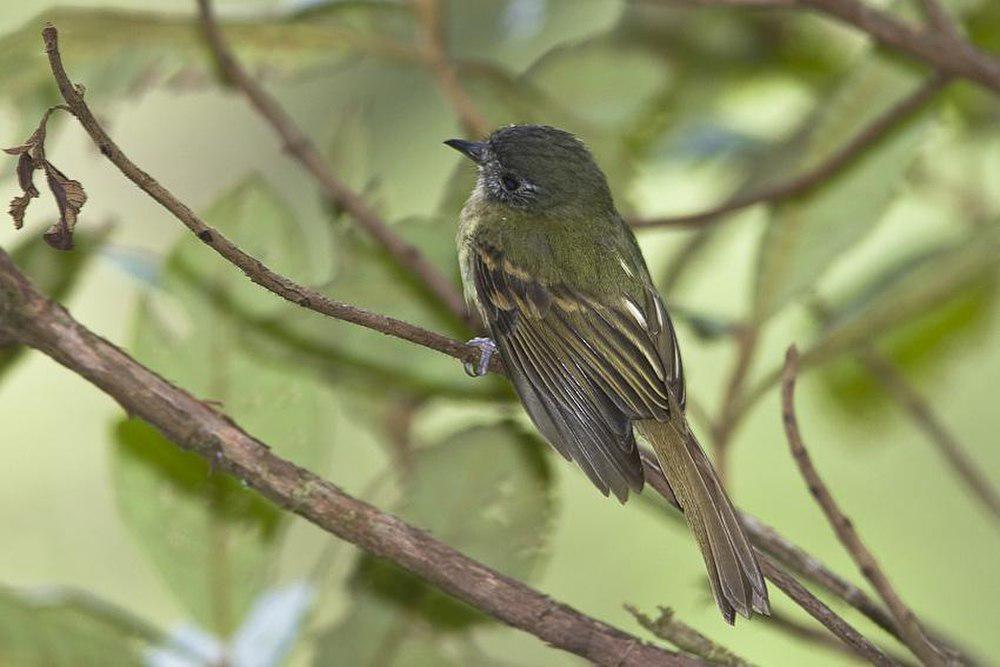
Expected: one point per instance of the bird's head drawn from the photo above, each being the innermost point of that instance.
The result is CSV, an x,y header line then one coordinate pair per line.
x,y
536,168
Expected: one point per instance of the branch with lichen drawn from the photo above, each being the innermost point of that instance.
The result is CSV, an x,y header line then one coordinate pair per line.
x,y
195,425
670,628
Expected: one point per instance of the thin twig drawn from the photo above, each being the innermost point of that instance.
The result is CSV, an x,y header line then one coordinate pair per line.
x,y
821,612
815,571
776,575
942,52
198,427
923,416
670,628
430,16
255,270
907,622
790,626
298,145
819,174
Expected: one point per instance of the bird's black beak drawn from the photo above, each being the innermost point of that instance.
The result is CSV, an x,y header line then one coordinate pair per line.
x,y
471,149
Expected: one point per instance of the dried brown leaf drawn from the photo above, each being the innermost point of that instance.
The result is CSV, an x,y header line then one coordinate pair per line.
x,y
59,236
70,197
28,155
25,170
18,205
18,150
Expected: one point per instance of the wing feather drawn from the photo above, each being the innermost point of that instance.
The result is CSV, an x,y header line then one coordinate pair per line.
x,y
585,369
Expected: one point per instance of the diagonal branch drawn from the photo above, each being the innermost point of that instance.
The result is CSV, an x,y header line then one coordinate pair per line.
x,y
298,145
819,174
196,426
907,622
667,626
792,627
256,270
776,575
942,51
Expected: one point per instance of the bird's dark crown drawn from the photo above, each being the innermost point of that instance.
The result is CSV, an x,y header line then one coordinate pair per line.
x,y
536,167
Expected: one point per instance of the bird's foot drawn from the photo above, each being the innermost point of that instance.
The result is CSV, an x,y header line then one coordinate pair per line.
x,y
486,349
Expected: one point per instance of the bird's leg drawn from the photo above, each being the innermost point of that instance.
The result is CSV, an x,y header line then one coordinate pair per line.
x,y
486,349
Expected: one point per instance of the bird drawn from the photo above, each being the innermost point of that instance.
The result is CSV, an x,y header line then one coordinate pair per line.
x,y
567,301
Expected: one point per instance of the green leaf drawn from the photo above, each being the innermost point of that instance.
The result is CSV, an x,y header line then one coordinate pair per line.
x,y
54,273
484,491
805,236
212,540
45,631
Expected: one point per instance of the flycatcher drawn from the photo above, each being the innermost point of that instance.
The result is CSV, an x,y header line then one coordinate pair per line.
x,y
569,305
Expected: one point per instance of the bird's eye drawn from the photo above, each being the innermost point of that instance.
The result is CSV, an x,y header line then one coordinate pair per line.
x,y
510,182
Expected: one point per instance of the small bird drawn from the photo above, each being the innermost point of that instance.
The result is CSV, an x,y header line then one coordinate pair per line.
x,y
585,337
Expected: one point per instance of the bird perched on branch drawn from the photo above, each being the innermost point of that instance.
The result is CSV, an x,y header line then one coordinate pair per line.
x,y
586,339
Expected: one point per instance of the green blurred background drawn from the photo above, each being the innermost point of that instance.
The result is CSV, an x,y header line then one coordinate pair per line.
x,y
682,106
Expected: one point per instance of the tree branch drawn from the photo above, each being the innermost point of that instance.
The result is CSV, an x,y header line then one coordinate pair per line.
x,y
298,145
819,174
790,626
813,570
821,612
254,269
906,621
195,426
668,627
941,51
775,574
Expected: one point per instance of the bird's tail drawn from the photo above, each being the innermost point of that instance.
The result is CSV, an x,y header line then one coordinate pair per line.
x,y
735,575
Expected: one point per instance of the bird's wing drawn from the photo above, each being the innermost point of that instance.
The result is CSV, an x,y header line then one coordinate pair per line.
x,y
584,369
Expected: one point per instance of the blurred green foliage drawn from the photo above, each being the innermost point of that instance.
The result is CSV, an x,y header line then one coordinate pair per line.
x,y
689,104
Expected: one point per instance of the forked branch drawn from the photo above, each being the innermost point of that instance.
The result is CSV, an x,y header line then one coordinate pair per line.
x,y
906,621
33,320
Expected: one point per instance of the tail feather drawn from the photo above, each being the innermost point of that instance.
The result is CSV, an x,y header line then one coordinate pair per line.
x,y
735,575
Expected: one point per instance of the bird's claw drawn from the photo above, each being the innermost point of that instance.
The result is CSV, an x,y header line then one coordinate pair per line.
x,y
486,349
